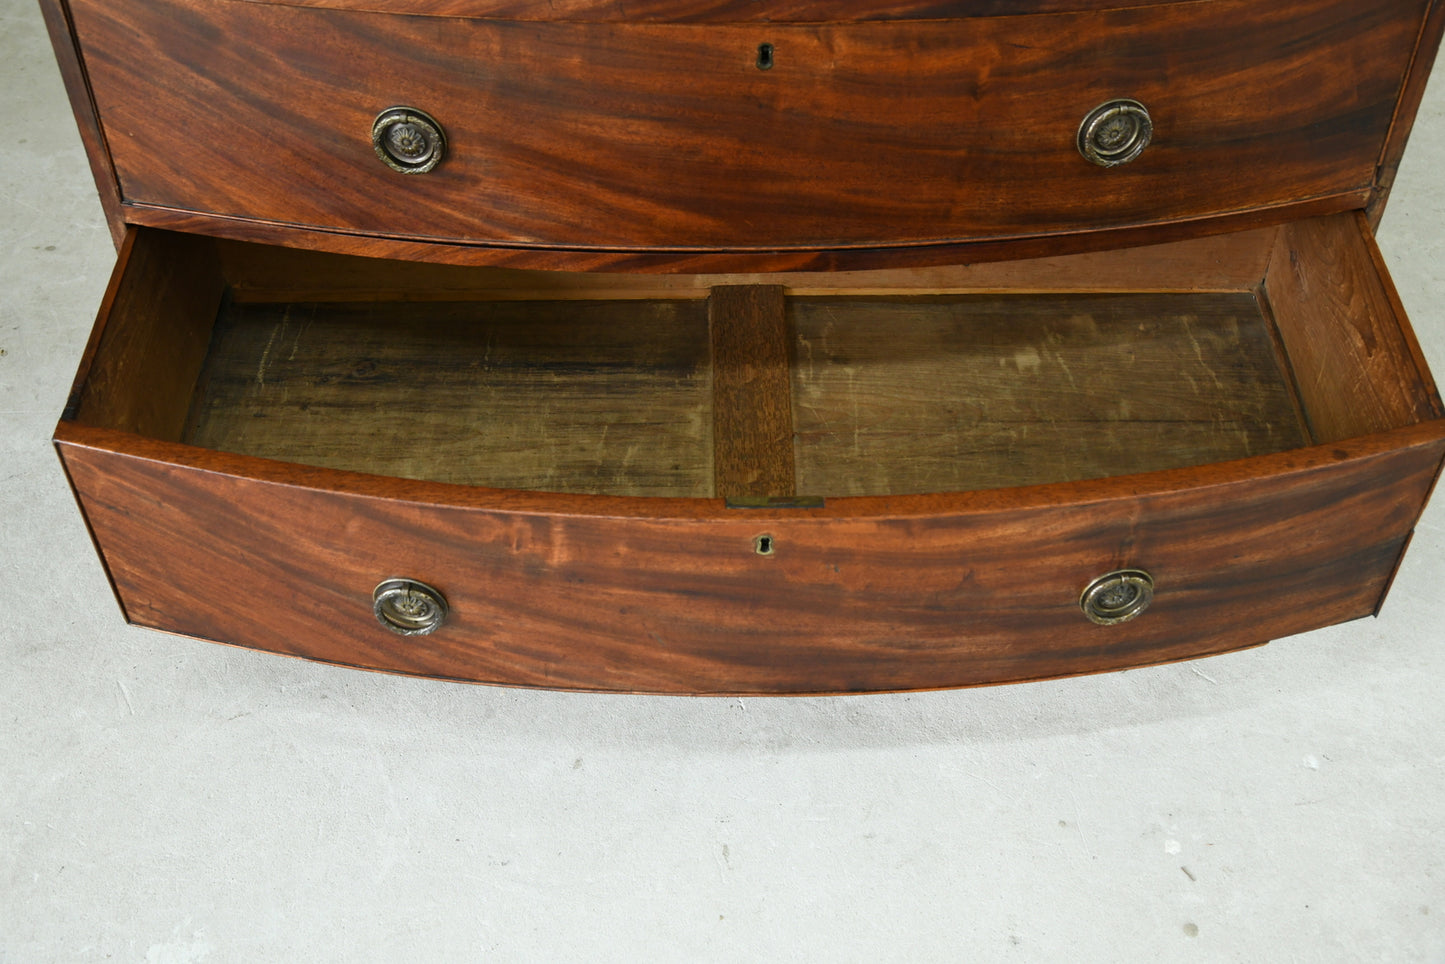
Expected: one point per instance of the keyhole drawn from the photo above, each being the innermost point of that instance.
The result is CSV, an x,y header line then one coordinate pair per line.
x,y
765,56
763,545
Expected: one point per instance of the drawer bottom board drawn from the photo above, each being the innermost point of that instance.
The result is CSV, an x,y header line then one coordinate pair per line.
x,y
885,396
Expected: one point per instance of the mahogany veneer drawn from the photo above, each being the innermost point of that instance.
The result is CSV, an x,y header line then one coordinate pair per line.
x,y
581,136
765,431
1269,434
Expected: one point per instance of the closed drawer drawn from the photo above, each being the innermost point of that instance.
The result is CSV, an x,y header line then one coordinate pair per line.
x,y
733,484
652,137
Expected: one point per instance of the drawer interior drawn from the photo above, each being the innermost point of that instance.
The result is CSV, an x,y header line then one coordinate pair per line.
x,y
579,396
902,396
888,395
866,383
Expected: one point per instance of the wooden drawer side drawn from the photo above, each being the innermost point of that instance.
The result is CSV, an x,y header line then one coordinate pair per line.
x,y
1355,361
151,338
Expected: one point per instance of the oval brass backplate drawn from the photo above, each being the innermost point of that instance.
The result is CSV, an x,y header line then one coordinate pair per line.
x,y
408,140
407,607
1115,132
1117,597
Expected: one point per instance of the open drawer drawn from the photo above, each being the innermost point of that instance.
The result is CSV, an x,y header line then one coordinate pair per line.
x,y
791,483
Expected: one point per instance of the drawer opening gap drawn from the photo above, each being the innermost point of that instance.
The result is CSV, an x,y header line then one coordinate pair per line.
x,y
752,394
756,391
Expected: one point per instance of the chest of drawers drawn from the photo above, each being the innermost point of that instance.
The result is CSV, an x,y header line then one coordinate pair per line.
x,y
748,348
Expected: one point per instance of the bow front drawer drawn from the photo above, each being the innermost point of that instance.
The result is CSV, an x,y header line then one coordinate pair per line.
x,y
813,483
739,137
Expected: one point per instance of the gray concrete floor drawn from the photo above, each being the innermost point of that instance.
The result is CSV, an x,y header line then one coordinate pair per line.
x,y
168,800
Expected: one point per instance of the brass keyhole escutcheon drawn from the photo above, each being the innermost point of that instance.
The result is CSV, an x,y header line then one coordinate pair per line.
x,y
1117,597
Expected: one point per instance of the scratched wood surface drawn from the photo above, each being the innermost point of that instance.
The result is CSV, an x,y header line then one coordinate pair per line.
x,y
931,395
561,396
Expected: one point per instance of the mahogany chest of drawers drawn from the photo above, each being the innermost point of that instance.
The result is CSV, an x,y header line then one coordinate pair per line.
x,y
706,346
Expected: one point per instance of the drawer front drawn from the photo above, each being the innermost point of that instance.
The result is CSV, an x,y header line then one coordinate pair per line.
x,y
673,137
850,598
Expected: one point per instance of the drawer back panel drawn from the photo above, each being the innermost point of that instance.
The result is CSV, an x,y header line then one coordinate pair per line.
x,y
671,137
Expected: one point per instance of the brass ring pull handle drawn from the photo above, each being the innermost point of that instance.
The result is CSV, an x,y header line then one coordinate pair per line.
x,y
1117,597
1115,132
407,607
408,140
